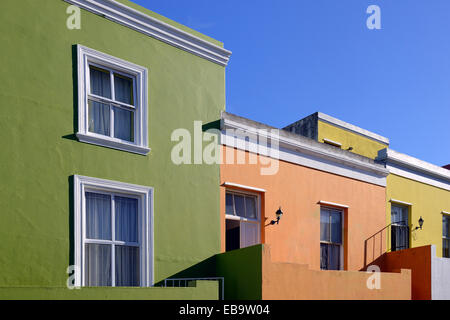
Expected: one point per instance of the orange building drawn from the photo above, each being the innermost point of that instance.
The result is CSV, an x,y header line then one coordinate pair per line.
x,y
328,202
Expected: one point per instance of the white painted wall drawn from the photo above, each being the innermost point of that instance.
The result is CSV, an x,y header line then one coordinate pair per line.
x,y
440,276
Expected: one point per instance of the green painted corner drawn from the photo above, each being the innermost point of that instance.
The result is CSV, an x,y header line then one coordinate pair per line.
x,y
242,270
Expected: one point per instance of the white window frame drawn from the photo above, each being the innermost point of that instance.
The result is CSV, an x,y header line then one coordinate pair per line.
x,y
83,184
86,57
341,209
242,220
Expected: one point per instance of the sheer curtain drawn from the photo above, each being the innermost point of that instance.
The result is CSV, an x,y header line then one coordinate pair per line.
x,y
123,119
99,113
127,257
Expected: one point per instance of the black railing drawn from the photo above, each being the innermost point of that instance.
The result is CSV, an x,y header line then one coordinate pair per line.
x,y
399,237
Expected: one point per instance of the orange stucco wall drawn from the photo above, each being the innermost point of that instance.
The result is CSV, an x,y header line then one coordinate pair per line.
x,y
418,260
289,281
298,189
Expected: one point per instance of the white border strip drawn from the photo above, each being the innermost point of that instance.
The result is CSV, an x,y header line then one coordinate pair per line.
x,y
236,185
155,28
350,127
327,203
400,202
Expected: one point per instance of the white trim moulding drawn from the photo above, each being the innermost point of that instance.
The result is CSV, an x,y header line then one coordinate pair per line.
x,y
236,185
155,28
400,202
327,203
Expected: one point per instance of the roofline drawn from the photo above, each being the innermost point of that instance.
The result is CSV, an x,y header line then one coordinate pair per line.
x,y
412,164
150,26
352,128
298,144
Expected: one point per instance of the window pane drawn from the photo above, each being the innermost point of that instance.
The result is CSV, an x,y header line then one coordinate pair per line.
x,y
336,227
123,124
127,266
98,216
445,226
250,207
324,225
249,234
98,121
98,265
229,208
334,253
323,256
446,248
126,219
100,82
239,205
399,215
123,89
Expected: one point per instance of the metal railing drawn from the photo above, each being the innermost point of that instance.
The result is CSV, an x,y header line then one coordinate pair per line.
x,y
190,282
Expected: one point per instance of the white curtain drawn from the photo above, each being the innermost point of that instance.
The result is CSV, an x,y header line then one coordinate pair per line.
x,y
127,266
123,89
126,219
98,265
98,216
99,121
123,124
100,82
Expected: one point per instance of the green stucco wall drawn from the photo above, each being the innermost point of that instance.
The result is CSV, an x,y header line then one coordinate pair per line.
x,y
39,150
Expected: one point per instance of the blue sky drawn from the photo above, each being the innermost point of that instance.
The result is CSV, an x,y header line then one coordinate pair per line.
x,y
292,58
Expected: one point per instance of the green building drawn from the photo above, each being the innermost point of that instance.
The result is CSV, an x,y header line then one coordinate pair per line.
x,y
89,195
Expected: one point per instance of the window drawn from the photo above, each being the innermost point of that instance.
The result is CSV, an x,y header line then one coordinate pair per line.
x,y
113,233
112,102
330,239
445,236
242,220
399,227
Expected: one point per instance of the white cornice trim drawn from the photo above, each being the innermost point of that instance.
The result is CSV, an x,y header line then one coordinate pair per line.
x,y
240,186
155,28
445,212
350,127
338,205
401,202
415,169
303,151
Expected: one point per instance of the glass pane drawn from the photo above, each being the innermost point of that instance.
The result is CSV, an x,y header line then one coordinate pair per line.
x,y
399,237
100,82
127,266
229,208
98,265
336,227
123,89
446,248
399,215
334,253
126,219
323,256
123,124
98,216
249,234
239,205
324,225
98,118
445,226
250,207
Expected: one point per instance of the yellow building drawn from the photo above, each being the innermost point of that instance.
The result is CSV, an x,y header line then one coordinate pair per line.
x,y
326,129
416,190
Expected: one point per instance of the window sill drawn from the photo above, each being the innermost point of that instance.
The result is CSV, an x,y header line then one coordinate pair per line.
x,y
110,143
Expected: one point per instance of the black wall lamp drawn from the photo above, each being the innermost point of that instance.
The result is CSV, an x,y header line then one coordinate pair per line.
x,y
279,214
420,224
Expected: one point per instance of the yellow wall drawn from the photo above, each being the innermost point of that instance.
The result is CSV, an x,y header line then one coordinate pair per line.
x,y
427,201
361,145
